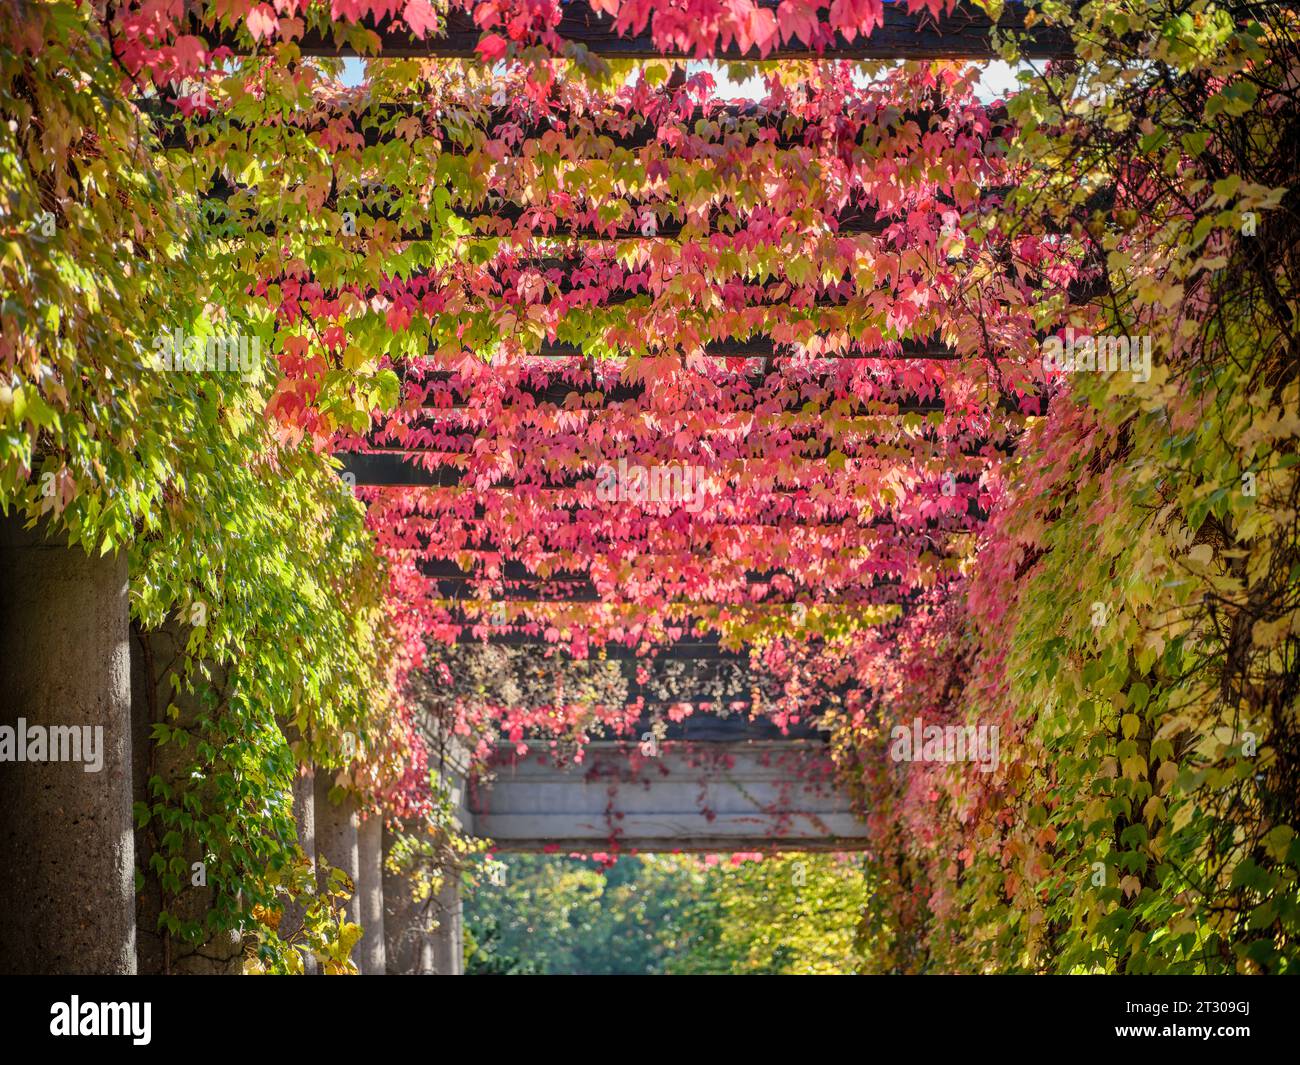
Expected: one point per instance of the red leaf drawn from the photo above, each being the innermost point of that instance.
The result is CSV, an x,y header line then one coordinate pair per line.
x,y
492,47
189,53
796,19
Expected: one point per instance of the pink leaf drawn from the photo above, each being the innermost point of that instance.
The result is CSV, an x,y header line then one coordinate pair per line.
x,y
421,17
796,20
262,22
492,47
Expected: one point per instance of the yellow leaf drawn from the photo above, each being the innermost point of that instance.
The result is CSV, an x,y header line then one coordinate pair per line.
x,y
1269,633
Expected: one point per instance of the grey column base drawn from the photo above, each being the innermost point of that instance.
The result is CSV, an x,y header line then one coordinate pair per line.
x,y
67,896
304,814
370,896
336,839
155,656
408,924
448,943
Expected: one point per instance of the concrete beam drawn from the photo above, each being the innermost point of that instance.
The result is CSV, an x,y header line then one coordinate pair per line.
x,y
67,896
753,795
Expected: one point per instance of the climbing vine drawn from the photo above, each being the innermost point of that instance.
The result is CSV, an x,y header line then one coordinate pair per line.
x,y
517,272
1132,624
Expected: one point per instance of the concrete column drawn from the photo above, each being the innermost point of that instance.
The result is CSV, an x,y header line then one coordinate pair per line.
x,y
370,895
304,809
408,941
336,838
448,945
157,655
67,892
304,815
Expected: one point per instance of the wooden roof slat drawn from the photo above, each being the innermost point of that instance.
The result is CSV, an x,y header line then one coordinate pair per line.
x,y
392,469
725,122
962,34
695,648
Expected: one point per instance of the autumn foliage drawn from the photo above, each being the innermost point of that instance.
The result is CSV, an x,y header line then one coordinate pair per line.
x,y
517,270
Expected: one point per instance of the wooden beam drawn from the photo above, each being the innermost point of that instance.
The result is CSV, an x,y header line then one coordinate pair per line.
x,y
496,220
449,570
806,448
712,728
586,592
694,648
764,347
391,470
579,589
574,516
499,220
963,34
510,570
557,393
725,122
394,469
485,544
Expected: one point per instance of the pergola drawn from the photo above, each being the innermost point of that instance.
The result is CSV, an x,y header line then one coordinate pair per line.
x,y
605,426
811,300
863,447
514,551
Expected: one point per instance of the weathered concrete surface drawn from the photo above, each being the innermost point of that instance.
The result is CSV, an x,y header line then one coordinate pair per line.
x,y
156,657
304,815
370,895
67,896
336,838
408,933
448,937
751,795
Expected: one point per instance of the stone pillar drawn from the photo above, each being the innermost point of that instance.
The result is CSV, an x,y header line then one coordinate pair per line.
x,y
370,895
448,946
304,815
157,656
336,838
67,893
408,941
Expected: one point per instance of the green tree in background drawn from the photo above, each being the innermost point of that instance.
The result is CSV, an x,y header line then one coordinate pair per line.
x,y
665,914
787,914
